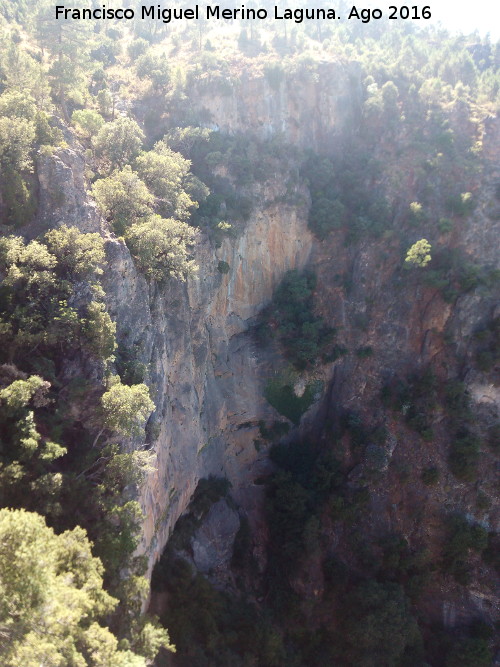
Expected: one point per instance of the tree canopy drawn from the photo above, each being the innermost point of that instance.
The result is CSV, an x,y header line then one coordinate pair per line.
x,y
118,143
126,408
52,598
123,198
161,247
419,253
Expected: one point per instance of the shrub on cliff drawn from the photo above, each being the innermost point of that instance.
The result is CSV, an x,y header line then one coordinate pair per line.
x,y
88,122
166,174
37,305
154,67
51,595
126,409
419,254
464,456
379,627
78,255
162,248
52,601
118,143
470,652
18,130
123,198
461,539
303,335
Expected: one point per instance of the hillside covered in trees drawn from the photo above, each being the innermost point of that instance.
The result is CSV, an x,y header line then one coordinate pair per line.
x,y
249,342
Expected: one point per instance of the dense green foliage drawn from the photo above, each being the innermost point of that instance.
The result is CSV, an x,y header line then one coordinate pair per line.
x,y
118,143
340,197
303,335
126,408
123,198
87,121
282,397
419,253
135,201
209,626
462,537
52,598
371,584
213,627
49,462
487,339
161,247
419,397
377,625
37,305
167,174
372,587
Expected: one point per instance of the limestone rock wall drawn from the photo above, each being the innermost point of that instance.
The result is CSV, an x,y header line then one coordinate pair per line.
x,y
203,371
311,108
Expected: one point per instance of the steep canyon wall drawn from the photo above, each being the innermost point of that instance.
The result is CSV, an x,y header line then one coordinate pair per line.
x,y
206,373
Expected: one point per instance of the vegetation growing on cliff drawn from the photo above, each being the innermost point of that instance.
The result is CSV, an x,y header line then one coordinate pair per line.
x,y
303,335
54,318
403,177
133,206
419,253
52,603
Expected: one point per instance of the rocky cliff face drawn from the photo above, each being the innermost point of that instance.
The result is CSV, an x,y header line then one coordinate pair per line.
x,y
206,374
203,368
315,107
408,327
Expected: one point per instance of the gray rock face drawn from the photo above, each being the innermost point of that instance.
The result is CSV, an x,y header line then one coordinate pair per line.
x,y
63,198
204,374
203,370
212,544
310,110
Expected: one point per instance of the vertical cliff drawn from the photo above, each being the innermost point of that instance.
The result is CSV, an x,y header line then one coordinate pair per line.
x,y
208,375
317,106
204,371
202,366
